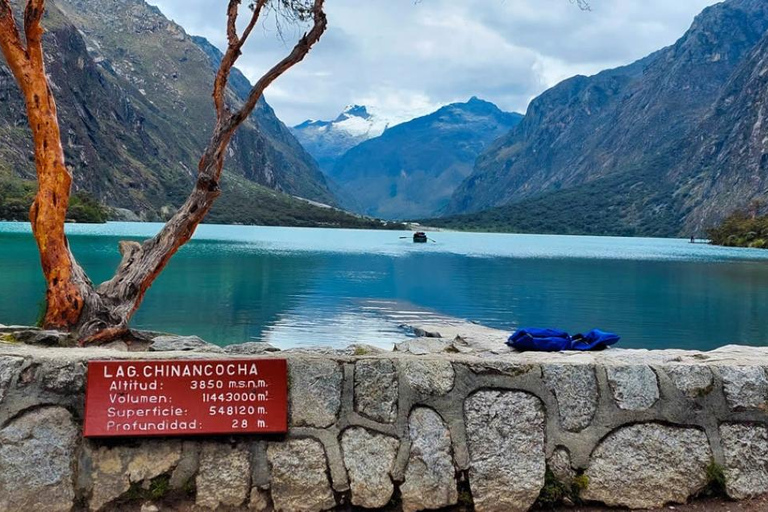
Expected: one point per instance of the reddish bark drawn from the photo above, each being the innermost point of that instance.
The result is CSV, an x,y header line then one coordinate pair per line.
x,y
65,281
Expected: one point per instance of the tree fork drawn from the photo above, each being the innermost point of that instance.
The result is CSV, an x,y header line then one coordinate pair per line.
x,y
102,314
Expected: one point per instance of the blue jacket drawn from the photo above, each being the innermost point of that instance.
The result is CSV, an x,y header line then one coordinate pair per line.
x,y
554,340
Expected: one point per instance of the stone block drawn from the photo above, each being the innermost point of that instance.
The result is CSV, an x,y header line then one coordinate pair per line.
x,y
315,392
369,458
300,476
430,476
36,454
505,433
376,391
224,476
745,448
647,466
428,376
635,387
575,388
745,387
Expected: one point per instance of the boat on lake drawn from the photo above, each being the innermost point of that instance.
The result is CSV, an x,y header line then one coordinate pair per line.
x,y
420,237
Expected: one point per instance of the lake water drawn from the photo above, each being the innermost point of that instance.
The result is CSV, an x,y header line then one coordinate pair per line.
x,y
294,286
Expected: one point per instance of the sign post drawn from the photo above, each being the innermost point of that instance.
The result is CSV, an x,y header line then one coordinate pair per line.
x,y
186,397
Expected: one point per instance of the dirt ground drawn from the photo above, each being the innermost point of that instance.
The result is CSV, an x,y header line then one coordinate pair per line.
x,y
709,505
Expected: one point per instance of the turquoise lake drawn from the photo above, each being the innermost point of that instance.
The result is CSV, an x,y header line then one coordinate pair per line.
x,y
301,287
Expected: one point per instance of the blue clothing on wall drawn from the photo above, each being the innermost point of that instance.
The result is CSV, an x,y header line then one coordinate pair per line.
x,y
555,340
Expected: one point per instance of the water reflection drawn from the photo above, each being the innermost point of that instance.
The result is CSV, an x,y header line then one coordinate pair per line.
x,y
335,287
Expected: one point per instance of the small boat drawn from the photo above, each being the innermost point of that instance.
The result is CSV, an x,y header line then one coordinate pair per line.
x,y
420,237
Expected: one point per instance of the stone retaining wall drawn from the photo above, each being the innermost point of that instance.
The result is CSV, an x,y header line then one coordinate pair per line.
x,y
625,428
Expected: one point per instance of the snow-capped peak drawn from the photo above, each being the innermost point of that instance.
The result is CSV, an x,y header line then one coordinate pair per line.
x,y
354,121
327,140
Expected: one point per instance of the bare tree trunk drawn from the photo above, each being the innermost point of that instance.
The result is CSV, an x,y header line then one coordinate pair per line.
x,y
102,314
66,283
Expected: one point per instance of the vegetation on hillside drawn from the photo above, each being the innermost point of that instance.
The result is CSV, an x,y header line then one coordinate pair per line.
x,y
16,198
243,202
246,203
626,204
743,228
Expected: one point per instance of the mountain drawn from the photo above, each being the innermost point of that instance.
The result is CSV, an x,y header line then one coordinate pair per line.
x,y
648,148
412,169
134,97
328,140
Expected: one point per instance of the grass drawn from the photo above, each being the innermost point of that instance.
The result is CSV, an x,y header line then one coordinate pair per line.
x,y
554,492
715,487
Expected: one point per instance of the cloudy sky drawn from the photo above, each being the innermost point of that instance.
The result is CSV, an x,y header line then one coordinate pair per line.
x,y
405,58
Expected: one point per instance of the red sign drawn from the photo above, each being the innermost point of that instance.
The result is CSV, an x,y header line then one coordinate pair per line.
x,y
186,397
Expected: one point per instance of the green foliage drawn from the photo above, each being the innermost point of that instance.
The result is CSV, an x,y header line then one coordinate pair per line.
x,y
715,481
741,229
555,492
16,198
83,207
158,488
580,483
246,203
624,204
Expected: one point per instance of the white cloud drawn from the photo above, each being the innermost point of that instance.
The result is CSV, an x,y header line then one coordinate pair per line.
x,y
407,58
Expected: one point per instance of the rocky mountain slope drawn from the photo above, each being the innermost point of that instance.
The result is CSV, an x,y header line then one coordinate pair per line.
x,y
667,145
133,91
329,140
412,169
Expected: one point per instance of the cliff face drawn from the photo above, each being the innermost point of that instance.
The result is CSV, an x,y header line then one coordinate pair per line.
x,y
727,167
411,170
133,91
643,122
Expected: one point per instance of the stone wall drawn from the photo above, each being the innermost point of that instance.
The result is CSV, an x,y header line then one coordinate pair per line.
x,y
372,429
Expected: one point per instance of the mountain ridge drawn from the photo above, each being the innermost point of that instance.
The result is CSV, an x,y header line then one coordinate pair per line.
x,y
133,91
412,168
641,116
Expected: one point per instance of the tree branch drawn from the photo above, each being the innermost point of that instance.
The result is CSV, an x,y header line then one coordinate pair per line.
x,y
33,31
10,42
298,53
254,18
142,264
234,46
232,10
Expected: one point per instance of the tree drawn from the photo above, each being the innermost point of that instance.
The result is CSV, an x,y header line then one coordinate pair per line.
x,y
101,313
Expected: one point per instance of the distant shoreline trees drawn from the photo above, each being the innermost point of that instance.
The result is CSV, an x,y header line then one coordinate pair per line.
x,y
743,228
